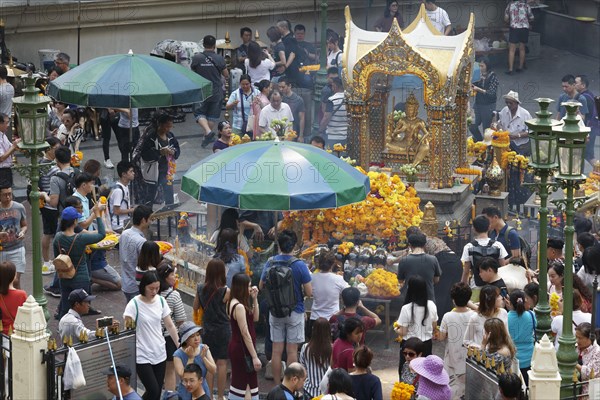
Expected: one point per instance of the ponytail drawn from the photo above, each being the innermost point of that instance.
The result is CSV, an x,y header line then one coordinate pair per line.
x,y
517,299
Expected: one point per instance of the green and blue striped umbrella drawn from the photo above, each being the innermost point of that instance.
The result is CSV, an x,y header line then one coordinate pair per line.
x,y
130,81
273,175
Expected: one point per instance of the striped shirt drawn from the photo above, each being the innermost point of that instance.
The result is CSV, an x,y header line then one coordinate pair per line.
x,y
314,372
337,128
176,305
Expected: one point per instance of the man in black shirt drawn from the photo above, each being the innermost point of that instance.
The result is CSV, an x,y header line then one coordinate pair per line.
x,y
211,66
292,51
293,380
310,53
242,51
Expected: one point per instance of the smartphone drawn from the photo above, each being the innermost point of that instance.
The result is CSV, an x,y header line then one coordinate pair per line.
x,y
504,292
104,322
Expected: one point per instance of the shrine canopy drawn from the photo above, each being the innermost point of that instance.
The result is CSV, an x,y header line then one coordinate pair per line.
x,y
444,53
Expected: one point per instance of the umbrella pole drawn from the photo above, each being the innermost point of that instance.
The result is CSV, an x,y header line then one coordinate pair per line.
x,y
276,233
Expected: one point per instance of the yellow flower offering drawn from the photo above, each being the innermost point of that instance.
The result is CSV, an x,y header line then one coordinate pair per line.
x,y
339,147
235,139
554,304
501,139
382,283
402,391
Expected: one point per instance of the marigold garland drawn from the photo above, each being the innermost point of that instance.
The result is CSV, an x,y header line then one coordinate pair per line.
x,y
402,391
382,283
475,149
554,304
501,139
171,169
388,210
468,171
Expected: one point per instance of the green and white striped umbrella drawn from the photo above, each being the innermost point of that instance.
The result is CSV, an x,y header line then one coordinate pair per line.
x,y
274,175
130,81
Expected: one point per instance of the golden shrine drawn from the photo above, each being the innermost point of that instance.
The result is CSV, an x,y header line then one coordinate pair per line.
x,y
377,132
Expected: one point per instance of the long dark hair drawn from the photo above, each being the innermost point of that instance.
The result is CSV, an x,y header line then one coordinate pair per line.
x,y
229,219
215,276
8,271
387,13
416,294
239,289
148,278
255,54
319,346
227,245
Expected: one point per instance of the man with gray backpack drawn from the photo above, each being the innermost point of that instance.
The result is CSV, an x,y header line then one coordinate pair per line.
x,y
284,277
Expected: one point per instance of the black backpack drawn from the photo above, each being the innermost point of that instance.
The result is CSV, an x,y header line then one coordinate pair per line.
x,y
523,244
479,252
69,188
279,282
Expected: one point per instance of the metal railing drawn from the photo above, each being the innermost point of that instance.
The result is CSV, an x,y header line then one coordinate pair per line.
x,y
6,369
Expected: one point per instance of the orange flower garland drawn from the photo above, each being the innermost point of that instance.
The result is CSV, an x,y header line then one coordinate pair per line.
x,y
501,139
402,391
388,210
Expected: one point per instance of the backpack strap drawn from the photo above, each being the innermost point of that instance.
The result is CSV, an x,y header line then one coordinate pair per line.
x,y
136,310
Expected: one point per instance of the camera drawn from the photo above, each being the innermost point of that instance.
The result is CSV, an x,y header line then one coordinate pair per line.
x,y
104,322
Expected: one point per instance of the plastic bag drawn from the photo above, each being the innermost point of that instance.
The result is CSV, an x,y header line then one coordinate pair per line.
x,y
73,376
362,288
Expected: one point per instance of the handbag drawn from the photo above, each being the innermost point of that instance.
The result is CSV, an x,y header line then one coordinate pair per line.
x,y
64,265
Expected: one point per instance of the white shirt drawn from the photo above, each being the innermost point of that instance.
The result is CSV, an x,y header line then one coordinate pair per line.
x,y
150,342
262,72
334,59
326,288
5,145
579,317
124,119
482,242
454,325
71,325
417,327
514,276
268,114
439,18
474,333
515,124
119,197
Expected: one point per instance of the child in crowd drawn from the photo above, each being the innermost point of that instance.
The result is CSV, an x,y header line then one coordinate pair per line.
x,y
453,327
411,349
351,332
418,317
353,307
366,386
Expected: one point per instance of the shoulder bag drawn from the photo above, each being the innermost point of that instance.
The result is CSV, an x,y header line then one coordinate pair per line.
x,y
64,265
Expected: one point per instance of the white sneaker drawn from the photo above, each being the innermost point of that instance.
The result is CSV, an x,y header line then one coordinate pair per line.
x,y
48,268
108,164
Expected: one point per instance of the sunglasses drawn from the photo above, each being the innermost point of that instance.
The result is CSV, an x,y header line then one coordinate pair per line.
x,y
410,354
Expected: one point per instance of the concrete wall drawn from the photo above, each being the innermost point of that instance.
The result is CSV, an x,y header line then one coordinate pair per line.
x,y
111,27
566,32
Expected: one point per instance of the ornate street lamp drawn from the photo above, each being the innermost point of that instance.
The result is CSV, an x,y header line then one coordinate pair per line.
x,y
321,77
31,112
543,160
571,147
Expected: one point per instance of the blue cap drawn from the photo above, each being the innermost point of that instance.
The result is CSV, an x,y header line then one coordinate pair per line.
x,y
70,213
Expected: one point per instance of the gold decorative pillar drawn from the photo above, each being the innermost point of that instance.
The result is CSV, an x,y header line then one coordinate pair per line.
x,y
460,133
436,117
356,114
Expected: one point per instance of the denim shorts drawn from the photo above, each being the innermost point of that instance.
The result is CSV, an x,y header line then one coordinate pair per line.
x,y
16,256
288,329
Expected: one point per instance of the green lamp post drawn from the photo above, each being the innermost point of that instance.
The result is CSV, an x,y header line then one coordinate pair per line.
x,y
571,148
31,112
543,161
321,77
